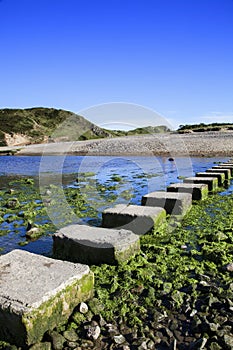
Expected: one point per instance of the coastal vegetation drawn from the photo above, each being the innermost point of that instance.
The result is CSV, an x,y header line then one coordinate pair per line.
x,y
202,127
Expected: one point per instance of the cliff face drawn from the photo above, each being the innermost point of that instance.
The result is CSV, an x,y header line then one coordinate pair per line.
x,y
39,125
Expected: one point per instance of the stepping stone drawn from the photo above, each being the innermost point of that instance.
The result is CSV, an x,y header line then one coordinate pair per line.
x,y
38,294
219,176
226,172
173,203
94,245
198,191
224,166
138,219
212,182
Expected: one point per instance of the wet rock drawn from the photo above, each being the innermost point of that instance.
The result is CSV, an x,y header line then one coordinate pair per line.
x,y
141,343
112,329
196,323
93,332
10,191
199,344
150,345
215,346
224,331
41,346
72,345
173,325
70,335
12,203
178,335
125,347
100,320
228,340
57,340
33,232
213,327
83,308
168,332
86,344
119,339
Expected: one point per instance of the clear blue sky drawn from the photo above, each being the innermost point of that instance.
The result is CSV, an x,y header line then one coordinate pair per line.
x,y
173,56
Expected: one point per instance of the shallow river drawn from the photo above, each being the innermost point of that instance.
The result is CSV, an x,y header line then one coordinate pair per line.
x,y
115,179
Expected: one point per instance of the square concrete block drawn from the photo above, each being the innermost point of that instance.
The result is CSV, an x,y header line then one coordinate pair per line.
x,y
212,182
219,176
226,172
173,203
94,245
37,294
138,219
198,191
224,166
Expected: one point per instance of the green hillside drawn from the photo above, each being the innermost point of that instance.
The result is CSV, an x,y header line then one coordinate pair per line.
x,y
41,124
38,125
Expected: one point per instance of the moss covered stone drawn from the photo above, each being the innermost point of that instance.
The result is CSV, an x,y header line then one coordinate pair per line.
x,y
138,219
173,203
94,245
212,182
220,176
38,294
198,191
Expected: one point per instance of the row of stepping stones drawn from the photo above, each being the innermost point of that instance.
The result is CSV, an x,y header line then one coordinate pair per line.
x,y
39,293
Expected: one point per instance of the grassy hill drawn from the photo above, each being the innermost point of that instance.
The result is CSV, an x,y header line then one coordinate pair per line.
x,y
39,125
205,127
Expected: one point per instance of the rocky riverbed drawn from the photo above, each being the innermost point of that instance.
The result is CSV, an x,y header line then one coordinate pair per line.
x,y
169,144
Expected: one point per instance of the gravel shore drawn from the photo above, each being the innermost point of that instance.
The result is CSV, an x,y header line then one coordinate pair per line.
x,y
170,144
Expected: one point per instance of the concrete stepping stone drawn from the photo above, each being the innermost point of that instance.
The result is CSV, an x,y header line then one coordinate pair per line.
x,y
139,219
212,182
37,294
173,203
219,176
226,172
224,166
94,245
198,191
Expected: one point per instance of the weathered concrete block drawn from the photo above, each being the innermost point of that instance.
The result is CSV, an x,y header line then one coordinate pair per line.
x,y
212,182
219,176
226,172
138,219
230,167
94,245
173,203
198,191
37,294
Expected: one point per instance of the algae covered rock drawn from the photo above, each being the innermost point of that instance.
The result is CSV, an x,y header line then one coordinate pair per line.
x,y
38,294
